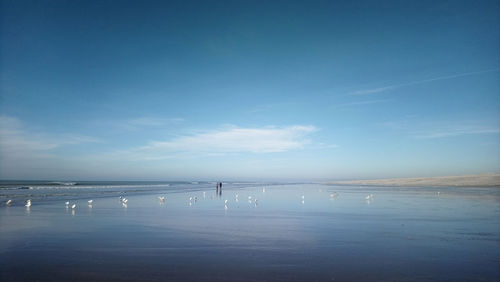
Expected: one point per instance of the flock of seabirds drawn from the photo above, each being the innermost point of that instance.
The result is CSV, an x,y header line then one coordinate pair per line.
x,y
161,199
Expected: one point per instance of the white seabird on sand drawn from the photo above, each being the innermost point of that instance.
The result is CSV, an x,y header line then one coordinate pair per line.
x,y
90,202
28,203
125,200
225,202
73,206
8,203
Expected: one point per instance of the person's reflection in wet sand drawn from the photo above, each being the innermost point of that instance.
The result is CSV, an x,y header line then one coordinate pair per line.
x,y
219,185
218,190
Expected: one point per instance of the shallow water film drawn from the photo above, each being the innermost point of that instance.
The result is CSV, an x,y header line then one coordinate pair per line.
x,y
248,232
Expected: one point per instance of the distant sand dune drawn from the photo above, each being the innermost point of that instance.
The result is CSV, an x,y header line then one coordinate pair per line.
x,y
491,179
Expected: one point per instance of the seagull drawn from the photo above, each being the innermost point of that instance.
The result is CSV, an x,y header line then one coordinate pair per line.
x,y
67,203
302,197
249,197
190,199
369,197
90,202
225,202
162,199
8,202
125,200
264,190
28,203
73,206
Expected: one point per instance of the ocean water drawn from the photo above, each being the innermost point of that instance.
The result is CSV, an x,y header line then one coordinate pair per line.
x,y
293,232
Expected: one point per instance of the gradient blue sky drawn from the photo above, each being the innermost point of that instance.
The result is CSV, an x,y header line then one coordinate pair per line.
x,y
257,90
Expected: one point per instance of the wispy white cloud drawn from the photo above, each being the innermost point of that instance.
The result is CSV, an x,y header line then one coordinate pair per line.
x,y
14,140
26,152
414,128
138,123
360,103
394,86
224,141
31,153
17,141
151,121
456,130
375,90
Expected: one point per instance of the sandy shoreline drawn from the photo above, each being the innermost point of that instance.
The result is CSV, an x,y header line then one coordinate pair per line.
x,y
490,179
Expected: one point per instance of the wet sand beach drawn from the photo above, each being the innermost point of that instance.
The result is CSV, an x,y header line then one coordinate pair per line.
x,y
301,232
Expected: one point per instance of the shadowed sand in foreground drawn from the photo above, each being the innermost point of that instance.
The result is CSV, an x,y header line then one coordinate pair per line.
x,y
490,179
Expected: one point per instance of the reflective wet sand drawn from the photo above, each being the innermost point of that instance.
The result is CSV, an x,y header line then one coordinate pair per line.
x,y
261,234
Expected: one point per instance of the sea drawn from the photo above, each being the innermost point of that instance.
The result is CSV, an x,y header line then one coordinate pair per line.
x,y
246,231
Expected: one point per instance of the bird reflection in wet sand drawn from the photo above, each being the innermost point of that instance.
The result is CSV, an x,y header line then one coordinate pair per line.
x,y
369,199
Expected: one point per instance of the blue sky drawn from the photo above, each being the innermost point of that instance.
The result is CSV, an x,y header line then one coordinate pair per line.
x,y
257,90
